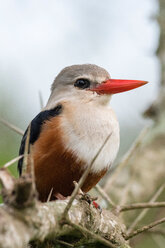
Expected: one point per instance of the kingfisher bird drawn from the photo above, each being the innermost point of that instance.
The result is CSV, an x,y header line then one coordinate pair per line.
x,y
67,134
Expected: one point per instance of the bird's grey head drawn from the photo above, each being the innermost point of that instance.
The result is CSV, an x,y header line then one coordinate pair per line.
x,y
74,82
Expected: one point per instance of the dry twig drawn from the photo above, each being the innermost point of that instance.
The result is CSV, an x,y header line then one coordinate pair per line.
x,y
104,195
145,228
27,148
144,212
140,206
12,161
12,127
64,243
31,163
93,235
41,100
50,194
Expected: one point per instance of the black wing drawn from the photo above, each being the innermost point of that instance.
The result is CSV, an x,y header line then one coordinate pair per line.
x,y
35,129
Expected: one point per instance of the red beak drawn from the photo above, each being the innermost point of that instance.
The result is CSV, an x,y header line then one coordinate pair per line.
x,y
113,86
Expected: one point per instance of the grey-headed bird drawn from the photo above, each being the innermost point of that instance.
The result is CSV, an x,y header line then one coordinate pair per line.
x,y
69,131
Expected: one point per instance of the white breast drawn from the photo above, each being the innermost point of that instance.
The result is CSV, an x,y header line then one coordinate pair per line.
x,y
86,128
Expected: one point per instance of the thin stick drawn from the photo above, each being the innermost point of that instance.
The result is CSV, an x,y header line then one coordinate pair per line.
x,y
145,228
82,179
32,165
12,127
144,212
126,159
26,151
64,243
41,100
50,194
95,236
9,163
141,205
104,195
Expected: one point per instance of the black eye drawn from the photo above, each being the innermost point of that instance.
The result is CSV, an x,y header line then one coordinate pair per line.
x,y
82,83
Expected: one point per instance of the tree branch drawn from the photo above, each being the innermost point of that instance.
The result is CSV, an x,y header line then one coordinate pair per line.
x,y
24,219
41,100
140,206
144,212
64,243
95,236
104,195
14,160
145,228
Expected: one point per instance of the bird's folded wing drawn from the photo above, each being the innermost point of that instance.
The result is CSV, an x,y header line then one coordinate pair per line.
x,y
35,129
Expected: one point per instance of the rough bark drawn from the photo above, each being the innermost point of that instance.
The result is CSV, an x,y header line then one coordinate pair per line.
x,y
24,219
